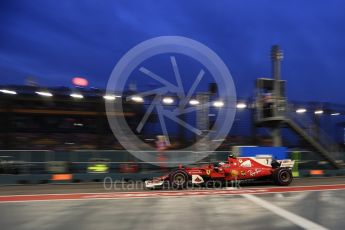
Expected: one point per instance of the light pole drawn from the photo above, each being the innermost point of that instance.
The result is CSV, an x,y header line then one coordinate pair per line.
x,y
276,57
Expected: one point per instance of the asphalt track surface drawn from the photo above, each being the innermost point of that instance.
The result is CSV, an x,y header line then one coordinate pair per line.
x,y
307,203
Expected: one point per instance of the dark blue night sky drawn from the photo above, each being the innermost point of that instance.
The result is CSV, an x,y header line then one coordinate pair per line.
x,y
56,40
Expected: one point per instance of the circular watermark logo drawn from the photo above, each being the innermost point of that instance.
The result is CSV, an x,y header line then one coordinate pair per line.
x,y
208,140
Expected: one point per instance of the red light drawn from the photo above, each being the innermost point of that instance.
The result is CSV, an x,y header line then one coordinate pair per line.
x,y
79,81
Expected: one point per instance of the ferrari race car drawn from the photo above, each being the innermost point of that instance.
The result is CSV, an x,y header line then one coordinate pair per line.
x,y
234,169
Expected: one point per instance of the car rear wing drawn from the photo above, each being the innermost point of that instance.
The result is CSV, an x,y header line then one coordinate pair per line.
x,y
287,163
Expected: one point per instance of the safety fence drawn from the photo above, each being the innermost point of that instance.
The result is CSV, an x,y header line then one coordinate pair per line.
x,y
106,161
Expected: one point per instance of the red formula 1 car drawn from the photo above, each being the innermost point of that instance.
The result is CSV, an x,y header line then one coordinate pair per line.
x,y
234,169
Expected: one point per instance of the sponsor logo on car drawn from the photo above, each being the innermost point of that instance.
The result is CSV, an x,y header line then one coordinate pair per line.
x,y
197,179
247,163
234,173
254,172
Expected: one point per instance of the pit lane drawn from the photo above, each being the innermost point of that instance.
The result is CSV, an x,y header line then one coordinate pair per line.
x,y
121,187
320,209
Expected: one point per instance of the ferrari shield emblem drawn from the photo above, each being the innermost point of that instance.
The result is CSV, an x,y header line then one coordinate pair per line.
x,y
208,172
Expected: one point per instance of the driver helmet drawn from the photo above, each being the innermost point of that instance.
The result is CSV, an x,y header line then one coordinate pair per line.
x,y
231,155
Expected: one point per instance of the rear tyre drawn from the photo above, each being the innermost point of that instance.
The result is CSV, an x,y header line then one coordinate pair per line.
x,y
178,179
282,176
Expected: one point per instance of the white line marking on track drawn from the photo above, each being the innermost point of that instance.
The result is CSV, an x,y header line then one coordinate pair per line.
x,y
298,220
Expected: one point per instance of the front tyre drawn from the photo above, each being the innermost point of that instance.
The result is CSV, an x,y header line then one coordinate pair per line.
x,y
282,176
178,179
